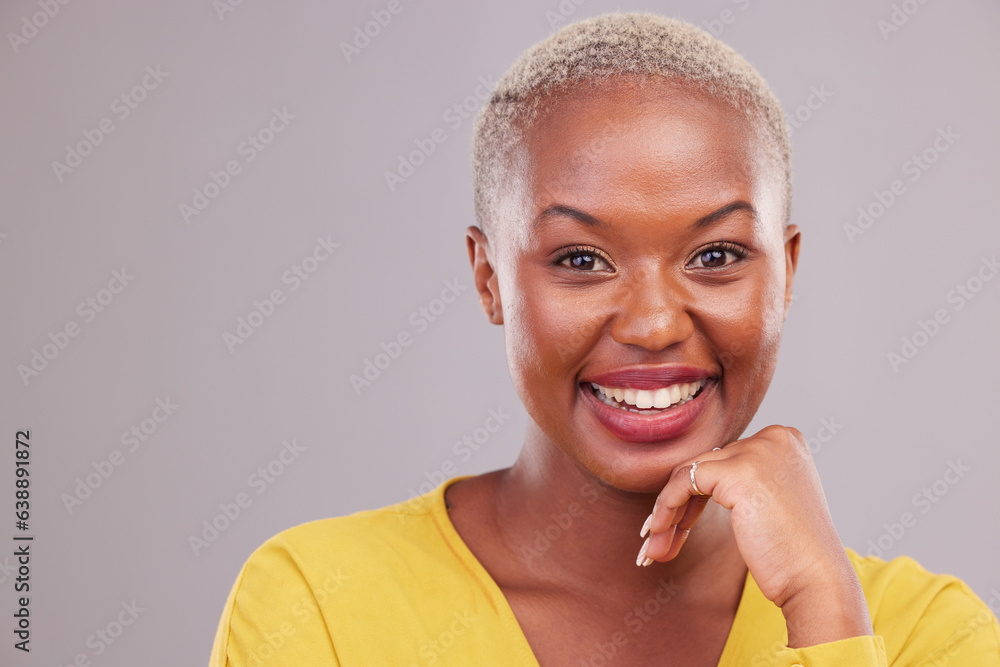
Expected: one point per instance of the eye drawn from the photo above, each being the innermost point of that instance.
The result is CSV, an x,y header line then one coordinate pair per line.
x,y
718,256
583,258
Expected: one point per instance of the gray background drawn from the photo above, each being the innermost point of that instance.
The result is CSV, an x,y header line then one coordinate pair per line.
x,y
323,175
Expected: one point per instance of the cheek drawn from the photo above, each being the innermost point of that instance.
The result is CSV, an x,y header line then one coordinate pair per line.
x,y
746,326
548,333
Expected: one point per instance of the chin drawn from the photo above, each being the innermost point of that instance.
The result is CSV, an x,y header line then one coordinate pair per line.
x,y
641,470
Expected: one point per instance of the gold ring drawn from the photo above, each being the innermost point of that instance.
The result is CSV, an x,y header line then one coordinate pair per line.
x,y
694,484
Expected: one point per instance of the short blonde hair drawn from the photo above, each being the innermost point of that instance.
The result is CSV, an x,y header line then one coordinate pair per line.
x,y
608,45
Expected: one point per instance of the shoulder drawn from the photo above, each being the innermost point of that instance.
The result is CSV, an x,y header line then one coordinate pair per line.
x,y
353,546
921,614
900,584
320,575
356,533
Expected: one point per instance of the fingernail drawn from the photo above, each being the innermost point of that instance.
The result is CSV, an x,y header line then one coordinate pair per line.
x,y
646,562
645,526
642,552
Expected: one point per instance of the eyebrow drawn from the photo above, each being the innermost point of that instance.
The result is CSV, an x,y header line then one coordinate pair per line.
x,y
724,212
591,221
568,211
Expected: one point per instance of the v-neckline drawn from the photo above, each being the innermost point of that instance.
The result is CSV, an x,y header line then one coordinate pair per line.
x,y
739,628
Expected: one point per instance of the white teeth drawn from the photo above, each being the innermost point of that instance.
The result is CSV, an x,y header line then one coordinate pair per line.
x,y
640,400
662,398
643,399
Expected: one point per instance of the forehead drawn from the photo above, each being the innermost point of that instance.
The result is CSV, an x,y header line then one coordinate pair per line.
x,y
645,143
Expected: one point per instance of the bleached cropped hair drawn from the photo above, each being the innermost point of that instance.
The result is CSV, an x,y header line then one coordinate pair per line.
x,y
606,46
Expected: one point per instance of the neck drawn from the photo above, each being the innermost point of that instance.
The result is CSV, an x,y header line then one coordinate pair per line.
x,y
572,530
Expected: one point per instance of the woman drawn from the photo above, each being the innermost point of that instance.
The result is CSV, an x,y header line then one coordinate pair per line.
x,y
632,192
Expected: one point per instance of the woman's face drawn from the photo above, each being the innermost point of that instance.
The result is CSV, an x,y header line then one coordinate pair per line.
x,y
646,254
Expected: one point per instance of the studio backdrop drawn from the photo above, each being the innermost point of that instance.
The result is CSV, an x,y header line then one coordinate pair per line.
x,y
236,294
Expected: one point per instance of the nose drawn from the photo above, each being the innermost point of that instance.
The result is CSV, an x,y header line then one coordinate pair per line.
x,y
653,312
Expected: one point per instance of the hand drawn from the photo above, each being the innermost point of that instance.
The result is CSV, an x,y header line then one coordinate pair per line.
x,y
782,526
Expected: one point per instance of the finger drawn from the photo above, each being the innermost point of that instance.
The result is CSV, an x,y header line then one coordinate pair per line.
x,y
694,509
680,488
655,546
663,549
670,503
674,496
680,537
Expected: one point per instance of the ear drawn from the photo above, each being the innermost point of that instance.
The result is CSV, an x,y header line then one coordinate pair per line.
x,y
484,274
792,238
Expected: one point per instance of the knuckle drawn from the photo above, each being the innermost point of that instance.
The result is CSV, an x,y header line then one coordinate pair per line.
x,y
795,435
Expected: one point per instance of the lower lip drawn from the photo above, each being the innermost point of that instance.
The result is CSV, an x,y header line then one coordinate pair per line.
x,y
633,427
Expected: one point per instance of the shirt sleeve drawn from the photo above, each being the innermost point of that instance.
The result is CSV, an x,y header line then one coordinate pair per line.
x,y
955,628
867,651
920,620
272,616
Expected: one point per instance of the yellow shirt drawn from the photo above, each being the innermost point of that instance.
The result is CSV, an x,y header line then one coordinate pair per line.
x,y
398,587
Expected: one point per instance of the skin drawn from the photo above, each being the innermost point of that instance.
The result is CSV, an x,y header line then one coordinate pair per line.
x,y
644,160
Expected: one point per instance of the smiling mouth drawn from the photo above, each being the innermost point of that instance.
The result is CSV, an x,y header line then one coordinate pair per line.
x,y
648,401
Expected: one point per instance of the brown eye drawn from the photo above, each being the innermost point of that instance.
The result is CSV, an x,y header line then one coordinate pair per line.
x,y
585,260
718,256
713,258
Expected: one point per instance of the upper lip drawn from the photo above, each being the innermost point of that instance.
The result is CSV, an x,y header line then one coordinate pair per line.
x,y
648,377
